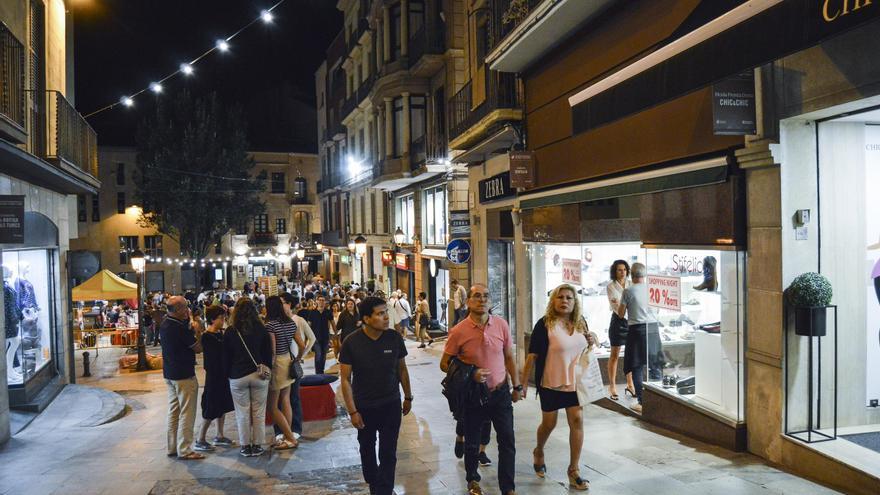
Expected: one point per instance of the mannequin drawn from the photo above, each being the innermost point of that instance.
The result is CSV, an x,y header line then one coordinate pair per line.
x,y
875,273
12,315
27,305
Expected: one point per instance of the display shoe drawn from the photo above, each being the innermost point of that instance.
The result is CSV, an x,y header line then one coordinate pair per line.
x,y
710,279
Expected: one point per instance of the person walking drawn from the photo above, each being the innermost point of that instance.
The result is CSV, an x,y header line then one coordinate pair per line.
x,y
634,306
286,344
350,320
483,340
320,318
247,352
216,396
179,349
373,370
404,312
308,337
423,321
618,327
458,301
558,340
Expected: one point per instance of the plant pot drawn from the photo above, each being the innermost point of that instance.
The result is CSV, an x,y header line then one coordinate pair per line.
x,y
810,322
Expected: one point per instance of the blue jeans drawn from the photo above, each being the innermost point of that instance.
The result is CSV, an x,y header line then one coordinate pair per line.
x,y
320,349
499,410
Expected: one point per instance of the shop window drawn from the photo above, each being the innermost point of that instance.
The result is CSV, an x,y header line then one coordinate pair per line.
x,y
261,223
120,174
96,208
278,182
280,225
127,245
120,202
435,215
81,214
153,246
28,288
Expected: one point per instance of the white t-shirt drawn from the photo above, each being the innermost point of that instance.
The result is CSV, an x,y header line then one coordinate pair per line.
x,y
405,311
393,311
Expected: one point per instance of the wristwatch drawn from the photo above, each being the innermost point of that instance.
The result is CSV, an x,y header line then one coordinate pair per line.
x,y
518,388
408,399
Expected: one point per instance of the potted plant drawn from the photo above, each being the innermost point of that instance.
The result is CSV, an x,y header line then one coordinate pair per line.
x,y
810,294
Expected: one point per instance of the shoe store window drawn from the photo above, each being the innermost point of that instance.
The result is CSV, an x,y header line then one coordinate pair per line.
x,y
695,350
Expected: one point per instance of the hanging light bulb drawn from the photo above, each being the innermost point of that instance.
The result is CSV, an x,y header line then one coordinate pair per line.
x,y
222,45
266,16
127,101
187,69
156,87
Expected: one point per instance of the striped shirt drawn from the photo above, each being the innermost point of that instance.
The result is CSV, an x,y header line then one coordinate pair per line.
x,y
283,332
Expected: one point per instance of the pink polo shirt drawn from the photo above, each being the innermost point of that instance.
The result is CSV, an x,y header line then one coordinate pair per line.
x,y
483,348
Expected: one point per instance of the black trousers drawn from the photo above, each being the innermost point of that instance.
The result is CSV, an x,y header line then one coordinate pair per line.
x,y
485,431
384,420
499,410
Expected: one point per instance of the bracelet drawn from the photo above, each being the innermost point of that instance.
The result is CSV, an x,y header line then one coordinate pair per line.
x,y
408,399
353,413
518,388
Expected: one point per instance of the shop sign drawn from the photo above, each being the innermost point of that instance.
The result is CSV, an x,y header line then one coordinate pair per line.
x,y
269,285
522,169
733,105
571,271
11,219
458,251
459,224
402,262
387,257
495,188
664,292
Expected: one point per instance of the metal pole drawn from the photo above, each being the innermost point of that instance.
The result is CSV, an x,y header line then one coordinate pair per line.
x,y
141,346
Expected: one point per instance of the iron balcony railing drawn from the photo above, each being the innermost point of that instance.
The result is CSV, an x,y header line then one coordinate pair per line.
x,y
262,238
12,71
502,91
507,15
425,42
59,133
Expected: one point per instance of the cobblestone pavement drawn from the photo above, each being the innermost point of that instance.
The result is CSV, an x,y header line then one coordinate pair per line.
x,y
621,455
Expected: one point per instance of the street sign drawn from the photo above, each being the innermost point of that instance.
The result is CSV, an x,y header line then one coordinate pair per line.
x,y
11,219
571,271
459,223
458,251
664,292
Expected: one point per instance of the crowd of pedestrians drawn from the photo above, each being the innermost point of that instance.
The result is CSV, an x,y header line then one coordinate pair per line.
x,y
254,346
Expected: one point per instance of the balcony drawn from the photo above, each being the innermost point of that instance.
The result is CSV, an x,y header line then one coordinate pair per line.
x,y
299,199
468,124
60,135
355,37
425,51
12,94
262,239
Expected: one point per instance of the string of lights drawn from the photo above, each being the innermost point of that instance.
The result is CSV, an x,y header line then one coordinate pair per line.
x,y
187,68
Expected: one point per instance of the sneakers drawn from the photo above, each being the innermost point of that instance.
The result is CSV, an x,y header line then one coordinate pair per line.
x,y
484,460
222,442
246,451
257,451
474,488
203,446
459,449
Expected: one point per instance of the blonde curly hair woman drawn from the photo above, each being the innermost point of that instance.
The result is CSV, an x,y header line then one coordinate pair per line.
x,y
557,341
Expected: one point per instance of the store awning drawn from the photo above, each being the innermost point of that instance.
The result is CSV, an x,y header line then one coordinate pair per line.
x,y
104,286
710,171
752,34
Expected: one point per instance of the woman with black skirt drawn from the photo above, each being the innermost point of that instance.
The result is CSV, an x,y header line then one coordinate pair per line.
x,y
216,397
557,342
618,327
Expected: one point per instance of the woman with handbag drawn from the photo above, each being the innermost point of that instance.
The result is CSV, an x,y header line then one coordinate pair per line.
x,y
247,352
618,327
557,342
283,334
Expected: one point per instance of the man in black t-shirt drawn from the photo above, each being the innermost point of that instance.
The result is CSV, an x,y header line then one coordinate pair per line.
x,y
321,321
375,357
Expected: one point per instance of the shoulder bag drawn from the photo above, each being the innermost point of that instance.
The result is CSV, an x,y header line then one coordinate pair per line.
x,y
261,368
296,370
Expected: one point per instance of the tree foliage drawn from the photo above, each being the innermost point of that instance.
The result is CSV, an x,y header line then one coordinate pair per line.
x,y
193,172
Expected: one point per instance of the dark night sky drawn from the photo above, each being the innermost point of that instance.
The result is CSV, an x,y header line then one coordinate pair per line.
x,y
123,45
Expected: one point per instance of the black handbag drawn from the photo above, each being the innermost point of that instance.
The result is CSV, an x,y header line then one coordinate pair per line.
x,y
296,369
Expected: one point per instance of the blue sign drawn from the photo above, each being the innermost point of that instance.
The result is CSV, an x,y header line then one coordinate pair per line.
x,y
458,251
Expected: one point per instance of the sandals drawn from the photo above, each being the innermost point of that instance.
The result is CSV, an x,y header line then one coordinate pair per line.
x,y
613,395
540,469
575,481
285,445
630,392
192,456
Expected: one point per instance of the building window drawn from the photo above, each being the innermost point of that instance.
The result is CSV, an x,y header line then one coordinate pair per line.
x,y
153,246
301,224
120,202
394,31
363,212
261,223
241,229
435,215
416,17
120,174
482,37
81,214
218,246
375,208
280,225
278,182
406,217
398,127
418,127
127,245
96,208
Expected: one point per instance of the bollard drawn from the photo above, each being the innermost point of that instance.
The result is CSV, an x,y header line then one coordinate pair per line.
x,y
86,371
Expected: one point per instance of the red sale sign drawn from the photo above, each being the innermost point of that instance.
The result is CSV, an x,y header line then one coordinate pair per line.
x,y
664,292
571,271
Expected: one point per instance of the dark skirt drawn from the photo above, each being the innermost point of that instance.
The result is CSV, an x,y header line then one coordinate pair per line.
x,y
617,330
216,397
554,400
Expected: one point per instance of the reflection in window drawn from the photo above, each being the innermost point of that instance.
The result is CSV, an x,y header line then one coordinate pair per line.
x,y
153,246
127,245
261,223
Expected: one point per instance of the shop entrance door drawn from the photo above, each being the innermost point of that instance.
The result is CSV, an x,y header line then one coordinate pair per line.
x,y
502,282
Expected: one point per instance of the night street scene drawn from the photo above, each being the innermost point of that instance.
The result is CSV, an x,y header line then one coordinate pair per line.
x,y
440,247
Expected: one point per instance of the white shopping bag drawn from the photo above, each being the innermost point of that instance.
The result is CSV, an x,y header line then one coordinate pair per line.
x,y
589,386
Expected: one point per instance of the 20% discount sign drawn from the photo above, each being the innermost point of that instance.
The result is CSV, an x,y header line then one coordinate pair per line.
x,y
664,292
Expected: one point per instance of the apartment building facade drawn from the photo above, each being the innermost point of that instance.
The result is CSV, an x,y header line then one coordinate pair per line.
x,y
48,155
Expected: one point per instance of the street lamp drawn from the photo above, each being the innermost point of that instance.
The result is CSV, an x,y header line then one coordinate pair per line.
x,y
351,245
360,245
319,246
300,253
138,263
399,236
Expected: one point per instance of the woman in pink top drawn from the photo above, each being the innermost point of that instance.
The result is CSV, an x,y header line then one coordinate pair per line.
x,y
557,341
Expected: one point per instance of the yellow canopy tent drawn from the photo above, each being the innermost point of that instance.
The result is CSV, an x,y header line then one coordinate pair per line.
x,y
105,285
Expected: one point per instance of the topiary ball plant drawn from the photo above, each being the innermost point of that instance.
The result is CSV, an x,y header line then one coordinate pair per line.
x,y
809,290
809,293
